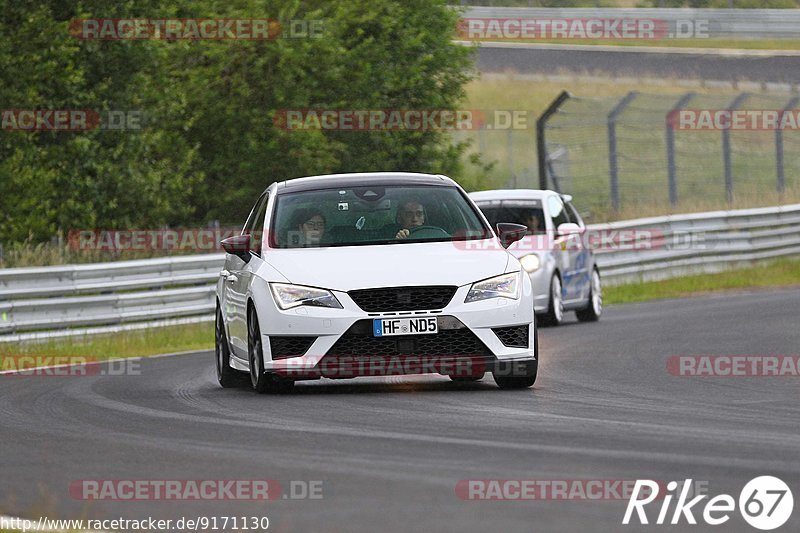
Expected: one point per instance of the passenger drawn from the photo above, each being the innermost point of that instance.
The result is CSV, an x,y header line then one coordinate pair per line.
x,y
309,226
534,223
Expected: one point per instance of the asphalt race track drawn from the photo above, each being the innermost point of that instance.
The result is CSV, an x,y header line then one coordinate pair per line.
x,y
774,69
390,451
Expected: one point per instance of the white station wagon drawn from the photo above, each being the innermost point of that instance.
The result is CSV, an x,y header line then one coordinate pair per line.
x,y
553,253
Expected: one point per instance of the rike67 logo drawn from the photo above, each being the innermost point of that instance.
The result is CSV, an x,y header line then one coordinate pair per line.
x,y
765,503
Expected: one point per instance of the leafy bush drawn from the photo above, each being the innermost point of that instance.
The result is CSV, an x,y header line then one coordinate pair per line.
x,y
209,143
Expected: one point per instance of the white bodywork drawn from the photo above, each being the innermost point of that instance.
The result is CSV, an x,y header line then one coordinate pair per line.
x,y
561,255
345,268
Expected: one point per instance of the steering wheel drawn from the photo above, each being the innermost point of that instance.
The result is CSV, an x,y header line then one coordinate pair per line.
x,y
427,232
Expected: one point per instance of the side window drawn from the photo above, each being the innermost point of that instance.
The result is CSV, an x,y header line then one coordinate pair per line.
x,y
573,214
255,224
557,211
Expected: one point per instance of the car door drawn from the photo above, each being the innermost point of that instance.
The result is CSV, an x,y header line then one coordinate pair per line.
x,y
566,249
238,276
583,261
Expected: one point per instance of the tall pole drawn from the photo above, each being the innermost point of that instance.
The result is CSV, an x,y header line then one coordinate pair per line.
x,y
613,169
541,145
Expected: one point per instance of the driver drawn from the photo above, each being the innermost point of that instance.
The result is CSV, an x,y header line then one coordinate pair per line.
x,y
410,215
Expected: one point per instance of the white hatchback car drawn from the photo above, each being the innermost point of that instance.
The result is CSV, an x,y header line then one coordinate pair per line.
x,y
555,253
370,274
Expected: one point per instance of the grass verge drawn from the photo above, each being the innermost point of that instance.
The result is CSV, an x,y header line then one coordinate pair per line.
x,y
141,343
579,131
780,273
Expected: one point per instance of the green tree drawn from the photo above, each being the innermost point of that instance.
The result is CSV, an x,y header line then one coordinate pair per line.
x,y
373,54
209,142
52,181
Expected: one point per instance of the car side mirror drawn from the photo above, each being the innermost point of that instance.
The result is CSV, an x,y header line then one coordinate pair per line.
x,y
510,233
568,228
238,245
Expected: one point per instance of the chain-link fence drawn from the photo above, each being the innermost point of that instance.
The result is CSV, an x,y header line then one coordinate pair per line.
x,y
653,154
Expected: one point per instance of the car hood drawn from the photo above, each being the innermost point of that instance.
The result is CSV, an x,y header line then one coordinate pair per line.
x,y
357,267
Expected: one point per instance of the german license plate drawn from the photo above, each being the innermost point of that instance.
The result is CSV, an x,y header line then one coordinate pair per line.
x,y
386,327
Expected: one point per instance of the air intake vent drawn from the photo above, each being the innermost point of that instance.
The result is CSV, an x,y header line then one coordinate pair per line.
x,y
284,346
403,298
513,337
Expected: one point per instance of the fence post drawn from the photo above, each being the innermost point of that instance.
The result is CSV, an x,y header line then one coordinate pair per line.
x,y
541,147
612,146
780,185
726,149
671,122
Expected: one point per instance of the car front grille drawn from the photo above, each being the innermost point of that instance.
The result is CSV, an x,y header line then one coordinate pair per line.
x,y
358,341
387,299
283,346
513,337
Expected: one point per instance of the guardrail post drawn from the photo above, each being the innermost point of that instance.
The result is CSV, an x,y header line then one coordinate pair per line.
x,y
541,146
612,146
780,185
671,171
726,149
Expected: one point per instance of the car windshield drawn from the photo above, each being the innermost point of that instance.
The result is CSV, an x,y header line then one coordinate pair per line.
x,y
368,215
529,214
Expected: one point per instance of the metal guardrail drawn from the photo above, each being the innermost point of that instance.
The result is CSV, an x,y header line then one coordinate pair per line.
x,y
61,301
698,243
17,283
720,23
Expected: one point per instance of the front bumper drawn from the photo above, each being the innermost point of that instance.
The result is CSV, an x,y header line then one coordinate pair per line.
x,y
343,346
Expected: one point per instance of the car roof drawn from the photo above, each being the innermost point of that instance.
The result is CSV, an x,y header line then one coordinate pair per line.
x,y
359,179
510,194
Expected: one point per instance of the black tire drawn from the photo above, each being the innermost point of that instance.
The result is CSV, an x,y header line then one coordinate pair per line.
x,y
261,381
226,375
595,308
555,305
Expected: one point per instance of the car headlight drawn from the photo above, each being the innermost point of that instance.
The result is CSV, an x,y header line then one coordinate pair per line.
x,y
288,296
530,262
504,286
